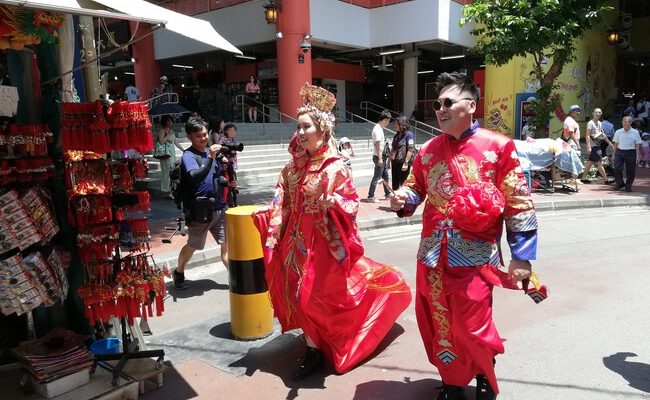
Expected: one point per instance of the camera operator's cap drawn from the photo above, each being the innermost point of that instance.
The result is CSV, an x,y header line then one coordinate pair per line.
x,y
575,107
163,78
344,140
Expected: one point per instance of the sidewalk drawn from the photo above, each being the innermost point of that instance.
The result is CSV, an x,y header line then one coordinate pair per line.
x,y
377,215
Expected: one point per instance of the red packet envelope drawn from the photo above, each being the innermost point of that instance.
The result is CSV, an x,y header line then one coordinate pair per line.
x,y
538,292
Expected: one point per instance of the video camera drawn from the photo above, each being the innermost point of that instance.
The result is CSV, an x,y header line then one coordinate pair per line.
x,y
228,148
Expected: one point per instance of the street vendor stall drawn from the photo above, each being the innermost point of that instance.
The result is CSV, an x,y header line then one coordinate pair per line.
x,y
74,233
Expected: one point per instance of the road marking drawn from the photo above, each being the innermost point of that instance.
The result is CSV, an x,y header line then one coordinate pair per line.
x,y
398,239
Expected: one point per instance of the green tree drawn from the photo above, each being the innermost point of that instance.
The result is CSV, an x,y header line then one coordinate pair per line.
x,y
543,29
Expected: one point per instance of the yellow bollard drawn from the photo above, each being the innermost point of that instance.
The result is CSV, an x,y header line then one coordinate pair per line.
x,y
251,315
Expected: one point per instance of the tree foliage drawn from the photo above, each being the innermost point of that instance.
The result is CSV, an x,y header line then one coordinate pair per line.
x,y
544,29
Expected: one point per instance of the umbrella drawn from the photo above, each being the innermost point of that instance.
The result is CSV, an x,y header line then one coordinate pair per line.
x,y
167,108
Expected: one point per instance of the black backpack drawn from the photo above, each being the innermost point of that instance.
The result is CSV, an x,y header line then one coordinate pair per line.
x,y
180,185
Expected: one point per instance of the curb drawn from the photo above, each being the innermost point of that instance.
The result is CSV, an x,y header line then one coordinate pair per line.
x,y
211,254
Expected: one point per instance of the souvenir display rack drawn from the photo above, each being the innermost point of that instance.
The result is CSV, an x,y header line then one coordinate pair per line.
x,y
120,278
33,272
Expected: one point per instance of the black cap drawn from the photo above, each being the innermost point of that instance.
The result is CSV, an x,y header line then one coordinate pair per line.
x,y
385,115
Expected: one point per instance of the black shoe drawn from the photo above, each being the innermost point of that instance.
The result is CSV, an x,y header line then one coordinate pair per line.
x,y
310,362
483,389
179,280
619,187
627,189
587,181
450,392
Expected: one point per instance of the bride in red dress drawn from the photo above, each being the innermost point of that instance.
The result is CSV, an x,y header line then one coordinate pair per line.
x,y
319,280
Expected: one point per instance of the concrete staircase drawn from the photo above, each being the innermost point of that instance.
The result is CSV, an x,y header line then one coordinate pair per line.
x,y
265,152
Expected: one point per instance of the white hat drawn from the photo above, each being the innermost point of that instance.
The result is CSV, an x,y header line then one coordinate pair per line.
x,y
574,108
344,140
163,78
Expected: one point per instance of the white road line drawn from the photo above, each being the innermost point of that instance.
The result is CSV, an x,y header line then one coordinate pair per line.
x,y
400,239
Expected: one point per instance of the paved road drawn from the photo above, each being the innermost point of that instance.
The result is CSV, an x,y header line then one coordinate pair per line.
x,y
589,340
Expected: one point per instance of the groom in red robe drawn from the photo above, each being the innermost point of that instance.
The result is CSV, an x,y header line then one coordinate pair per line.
x,y
471,183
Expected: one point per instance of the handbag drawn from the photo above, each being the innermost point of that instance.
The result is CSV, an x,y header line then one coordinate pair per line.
x,y
201,210
162,151
598,137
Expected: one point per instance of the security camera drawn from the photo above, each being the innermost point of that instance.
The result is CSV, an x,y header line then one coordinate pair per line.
x,y
305,46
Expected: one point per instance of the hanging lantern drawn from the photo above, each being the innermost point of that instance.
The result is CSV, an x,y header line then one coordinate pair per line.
x,y
271,11
613,37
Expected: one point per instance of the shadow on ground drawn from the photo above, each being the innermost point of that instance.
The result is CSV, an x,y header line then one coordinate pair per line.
x,y
175,387
637,374
280,357
194,288
424,389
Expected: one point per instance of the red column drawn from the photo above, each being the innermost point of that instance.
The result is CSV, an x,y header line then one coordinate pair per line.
x,y
146,68
294,65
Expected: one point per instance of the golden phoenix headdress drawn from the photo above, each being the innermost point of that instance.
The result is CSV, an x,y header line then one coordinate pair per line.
x,y
321,102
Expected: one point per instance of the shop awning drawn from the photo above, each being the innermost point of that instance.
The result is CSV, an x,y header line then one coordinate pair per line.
x,y
135,10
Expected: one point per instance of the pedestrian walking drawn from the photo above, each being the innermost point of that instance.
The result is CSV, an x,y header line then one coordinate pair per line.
x,y
380,151
203,203
594,137
319,280
402,151
627,153
167,139
571,130
608,129
470,181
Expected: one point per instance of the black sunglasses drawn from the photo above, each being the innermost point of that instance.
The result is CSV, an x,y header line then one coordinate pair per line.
x,y
447,102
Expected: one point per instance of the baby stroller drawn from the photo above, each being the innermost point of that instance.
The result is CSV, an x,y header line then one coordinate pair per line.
x,y
549,164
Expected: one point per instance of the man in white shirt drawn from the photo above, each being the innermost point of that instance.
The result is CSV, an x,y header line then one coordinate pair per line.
x,y
131,93
627,153
379,156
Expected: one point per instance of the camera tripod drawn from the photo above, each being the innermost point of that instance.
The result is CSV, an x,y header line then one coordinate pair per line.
x,y
178,229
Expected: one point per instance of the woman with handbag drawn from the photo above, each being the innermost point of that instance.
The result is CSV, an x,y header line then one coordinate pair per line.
x,y
164,151
594,137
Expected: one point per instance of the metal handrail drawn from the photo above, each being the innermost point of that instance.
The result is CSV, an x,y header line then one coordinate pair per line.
x,y
351,117
266,112
415,124
169,95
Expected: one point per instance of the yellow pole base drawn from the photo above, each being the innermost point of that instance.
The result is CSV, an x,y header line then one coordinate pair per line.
x,y
251,316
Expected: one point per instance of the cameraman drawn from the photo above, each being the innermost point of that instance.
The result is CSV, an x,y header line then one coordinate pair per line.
x,y
201,170
228,138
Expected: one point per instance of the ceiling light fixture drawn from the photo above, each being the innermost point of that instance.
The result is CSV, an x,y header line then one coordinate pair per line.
x,y
129,73
182,66
452,57
245,57
395,51
429,71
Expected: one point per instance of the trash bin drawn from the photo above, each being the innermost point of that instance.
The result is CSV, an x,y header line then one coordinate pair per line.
x,y
251,315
